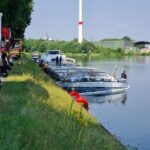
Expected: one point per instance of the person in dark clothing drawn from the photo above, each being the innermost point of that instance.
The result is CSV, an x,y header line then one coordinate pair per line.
x,y
57,61
4,58
5,61
10,60
124,75
4,68
41,63
60,60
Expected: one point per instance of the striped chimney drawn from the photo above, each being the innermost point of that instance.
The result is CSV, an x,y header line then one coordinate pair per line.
x,y
80,37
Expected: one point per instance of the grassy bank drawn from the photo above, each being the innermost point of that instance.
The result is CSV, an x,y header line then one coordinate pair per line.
x,y
35,114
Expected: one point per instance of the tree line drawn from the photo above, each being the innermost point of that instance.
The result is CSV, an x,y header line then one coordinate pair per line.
x,y
73,46
16,15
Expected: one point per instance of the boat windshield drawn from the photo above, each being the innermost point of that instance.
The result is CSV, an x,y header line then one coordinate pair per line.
x,y
53,52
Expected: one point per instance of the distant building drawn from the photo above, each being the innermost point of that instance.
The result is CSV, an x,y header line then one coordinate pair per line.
x,y
48,39
115,43
143,46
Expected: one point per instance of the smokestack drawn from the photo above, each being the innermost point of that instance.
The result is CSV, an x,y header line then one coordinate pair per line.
x,y
80,38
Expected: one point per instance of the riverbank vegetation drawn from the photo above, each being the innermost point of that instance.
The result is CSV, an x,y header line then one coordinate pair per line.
x,y
37,114
73,47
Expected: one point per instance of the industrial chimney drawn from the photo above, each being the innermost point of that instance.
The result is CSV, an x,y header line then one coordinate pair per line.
x,y
80,37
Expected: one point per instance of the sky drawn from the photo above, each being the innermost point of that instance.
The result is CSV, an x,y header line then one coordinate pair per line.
x,y
102,19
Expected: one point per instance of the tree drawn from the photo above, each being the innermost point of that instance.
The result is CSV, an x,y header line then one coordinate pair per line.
x,y
87,47
16,15
127,38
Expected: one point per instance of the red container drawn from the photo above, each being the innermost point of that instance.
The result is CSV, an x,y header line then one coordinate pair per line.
x,y
79,99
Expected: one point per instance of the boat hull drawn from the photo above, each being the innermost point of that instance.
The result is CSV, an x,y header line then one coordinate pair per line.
x,y
95,88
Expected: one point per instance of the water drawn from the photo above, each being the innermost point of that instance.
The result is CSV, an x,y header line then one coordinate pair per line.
x,y
125,115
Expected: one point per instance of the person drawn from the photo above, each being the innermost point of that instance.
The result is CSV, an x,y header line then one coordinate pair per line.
x,y
124,75
41,63
60,60
57,61
5,64
4,58
10,60
45,68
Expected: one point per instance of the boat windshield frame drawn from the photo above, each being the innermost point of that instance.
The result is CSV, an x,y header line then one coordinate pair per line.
x,y
54,52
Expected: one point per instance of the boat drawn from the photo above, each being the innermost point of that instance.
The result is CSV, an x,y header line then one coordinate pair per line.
x,y
66,70
87,80
35,57
90,82
51,55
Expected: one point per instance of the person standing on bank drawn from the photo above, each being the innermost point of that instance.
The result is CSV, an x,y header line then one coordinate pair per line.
x,y
5,61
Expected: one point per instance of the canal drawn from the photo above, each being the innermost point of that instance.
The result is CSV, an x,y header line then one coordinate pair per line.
x,y
126,115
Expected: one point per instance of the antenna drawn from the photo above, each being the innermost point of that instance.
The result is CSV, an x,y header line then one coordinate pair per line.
x,y
80,38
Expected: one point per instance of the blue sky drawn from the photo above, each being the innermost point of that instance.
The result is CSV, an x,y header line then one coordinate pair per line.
x,y
102,19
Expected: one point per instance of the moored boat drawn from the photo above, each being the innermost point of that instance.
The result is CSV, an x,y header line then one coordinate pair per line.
x,y
94,83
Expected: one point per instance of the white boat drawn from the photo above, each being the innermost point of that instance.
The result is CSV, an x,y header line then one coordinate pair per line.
x,y
50,56
66,70
93,83
35,57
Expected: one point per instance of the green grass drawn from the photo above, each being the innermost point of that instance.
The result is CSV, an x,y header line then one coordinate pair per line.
x,y
36,114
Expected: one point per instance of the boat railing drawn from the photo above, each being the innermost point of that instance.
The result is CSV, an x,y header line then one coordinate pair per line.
x,y
71,60
86,76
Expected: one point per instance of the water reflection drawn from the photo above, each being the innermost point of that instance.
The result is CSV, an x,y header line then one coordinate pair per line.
x,y
115,98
